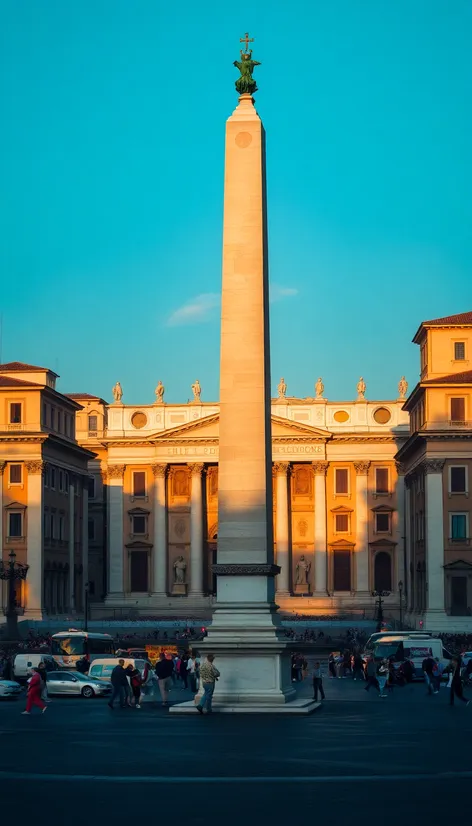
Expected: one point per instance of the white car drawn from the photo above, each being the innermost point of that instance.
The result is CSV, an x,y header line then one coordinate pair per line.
x,y
8,688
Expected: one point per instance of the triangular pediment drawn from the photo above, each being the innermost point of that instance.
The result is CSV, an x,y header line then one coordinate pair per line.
x,y
342,544
382,509
208,428
382,543
15,506
342,509
458,565
139,512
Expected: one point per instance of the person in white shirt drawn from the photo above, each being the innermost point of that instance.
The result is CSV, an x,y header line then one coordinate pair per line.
x,y
193,668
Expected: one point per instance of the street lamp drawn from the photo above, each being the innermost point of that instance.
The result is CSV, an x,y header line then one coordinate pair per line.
x,y
378,595
10,572
400,592
86,605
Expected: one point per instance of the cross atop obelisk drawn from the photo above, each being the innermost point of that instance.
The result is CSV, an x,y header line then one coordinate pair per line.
x,y
246,39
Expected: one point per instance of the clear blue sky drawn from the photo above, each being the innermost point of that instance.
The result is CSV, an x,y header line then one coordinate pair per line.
x,y
111,153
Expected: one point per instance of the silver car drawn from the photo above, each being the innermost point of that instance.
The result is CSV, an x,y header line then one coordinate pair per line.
x,y
73,683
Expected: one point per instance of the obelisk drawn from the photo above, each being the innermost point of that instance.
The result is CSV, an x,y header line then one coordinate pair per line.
x,y
251,654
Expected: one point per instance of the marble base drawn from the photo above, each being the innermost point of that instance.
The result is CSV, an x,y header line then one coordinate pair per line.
x,y
301,589
179,589
304,706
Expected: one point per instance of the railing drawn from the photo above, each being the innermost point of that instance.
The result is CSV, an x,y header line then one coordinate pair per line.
x,y
461,540
15,426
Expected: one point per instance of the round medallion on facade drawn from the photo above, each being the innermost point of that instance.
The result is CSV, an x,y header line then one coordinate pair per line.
x,y
243,139
341,416
382,415
139,419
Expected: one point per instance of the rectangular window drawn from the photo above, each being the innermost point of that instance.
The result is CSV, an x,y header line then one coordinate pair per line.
x,y
342,570
45,414
53,478
93,424
458,479
382,523
458,526
66,481
15,413
59,421
139,525
91,530
91,487
46,525
381,480
459,350
15,521
67,424
61,480
458,410
341,522
51,526
16,475
139,483
139,571
52,418
61,527
341,480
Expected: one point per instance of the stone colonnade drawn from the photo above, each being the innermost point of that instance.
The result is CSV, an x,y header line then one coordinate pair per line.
x,y
158,568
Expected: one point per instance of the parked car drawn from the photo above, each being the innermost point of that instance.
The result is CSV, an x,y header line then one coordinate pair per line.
x,y
8,688
72,683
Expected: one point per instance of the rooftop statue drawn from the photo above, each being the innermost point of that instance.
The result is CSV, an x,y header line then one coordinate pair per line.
x,y
246,85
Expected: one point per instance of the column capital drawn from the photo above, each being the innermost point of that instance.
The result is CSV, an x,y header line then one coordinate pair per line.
x,y
400,468
36,466
159,470
281,468
433,465
115,471
320,468
2,467
362,468
196,468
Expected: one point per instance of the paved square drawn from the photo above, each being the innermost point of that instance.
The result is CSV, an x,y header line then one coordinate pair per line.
x,y
405,757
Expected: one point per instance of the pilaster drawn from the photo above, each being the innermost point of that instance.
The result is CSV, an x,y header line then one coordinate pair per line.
x,y
320,470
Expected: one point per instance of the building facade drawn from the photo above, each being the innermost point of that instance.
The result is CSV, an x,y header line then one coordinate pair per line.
x,y
367,495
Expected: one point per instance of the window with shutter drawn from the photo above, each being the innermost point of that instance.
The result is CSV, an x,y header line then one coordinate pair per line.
x,y
458,479
459,350
458,410
381,480
139,483
342,570
341,480
342,522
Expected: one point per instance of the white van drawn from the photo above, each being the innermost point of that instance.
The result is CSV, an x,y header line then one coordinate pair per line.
x,y
415,649
25,662
101,669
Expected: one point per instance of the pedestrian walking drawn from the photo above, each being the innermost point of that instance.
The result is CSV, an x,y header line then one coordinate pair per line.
x,y
192,671
208,674
456,683
33,696
371,674
382,676
358,673
428,667
183,670
136,681
44,686
164,669
119,682
318,682
438,669
332,666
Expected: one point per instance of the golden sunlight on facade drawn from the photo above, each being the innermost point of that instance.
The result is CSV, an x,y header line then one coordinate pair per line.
x,y
367,494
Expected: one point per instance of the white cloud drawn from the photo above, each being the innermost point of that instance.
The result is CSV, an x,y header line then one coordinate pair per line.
x,y
196,311
277,292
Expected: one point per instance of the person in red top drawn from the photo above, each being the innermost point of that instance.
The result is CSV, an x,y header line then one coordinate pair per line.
x,y
33,697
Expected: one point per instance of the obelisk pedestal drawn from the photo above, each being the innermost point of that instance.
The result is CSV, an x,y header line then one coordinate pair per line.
x,y
251,652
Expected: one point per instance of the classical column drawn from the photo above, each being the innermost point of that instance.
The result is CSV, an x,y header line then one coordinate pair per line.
x,y
433,469
85,543
196,530
115,530
72,484
321,552
2,468
282,529
362,527
160,533
35,538
401,527
408,554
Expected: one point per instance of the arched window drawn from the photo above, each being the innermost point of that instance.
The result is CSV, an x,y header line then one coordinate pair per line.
x,y
383,571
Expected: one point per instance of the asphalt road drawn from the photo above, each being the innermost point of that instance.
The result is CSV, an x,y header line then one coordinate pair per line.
x,y
405,758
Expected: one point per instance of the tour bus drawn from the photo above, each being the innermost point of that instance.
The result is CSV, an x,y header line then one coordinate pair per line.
x,y
70,646
379,635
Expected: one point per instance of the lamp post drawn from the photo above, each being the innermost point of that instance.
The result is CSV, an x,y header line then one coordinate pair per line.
x,y
10,572
378,595
400,592
86,605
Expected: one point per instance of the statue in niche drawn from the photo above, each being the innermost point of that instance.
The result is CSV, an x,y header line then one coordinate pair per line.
x,y
402,387
159,391
197,391
319,388
361,388
117,392
281,388
180,567
302,571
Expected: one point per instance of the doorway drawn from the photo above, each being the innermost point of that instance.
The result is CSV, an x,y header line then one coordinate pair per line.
x,y
459,596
